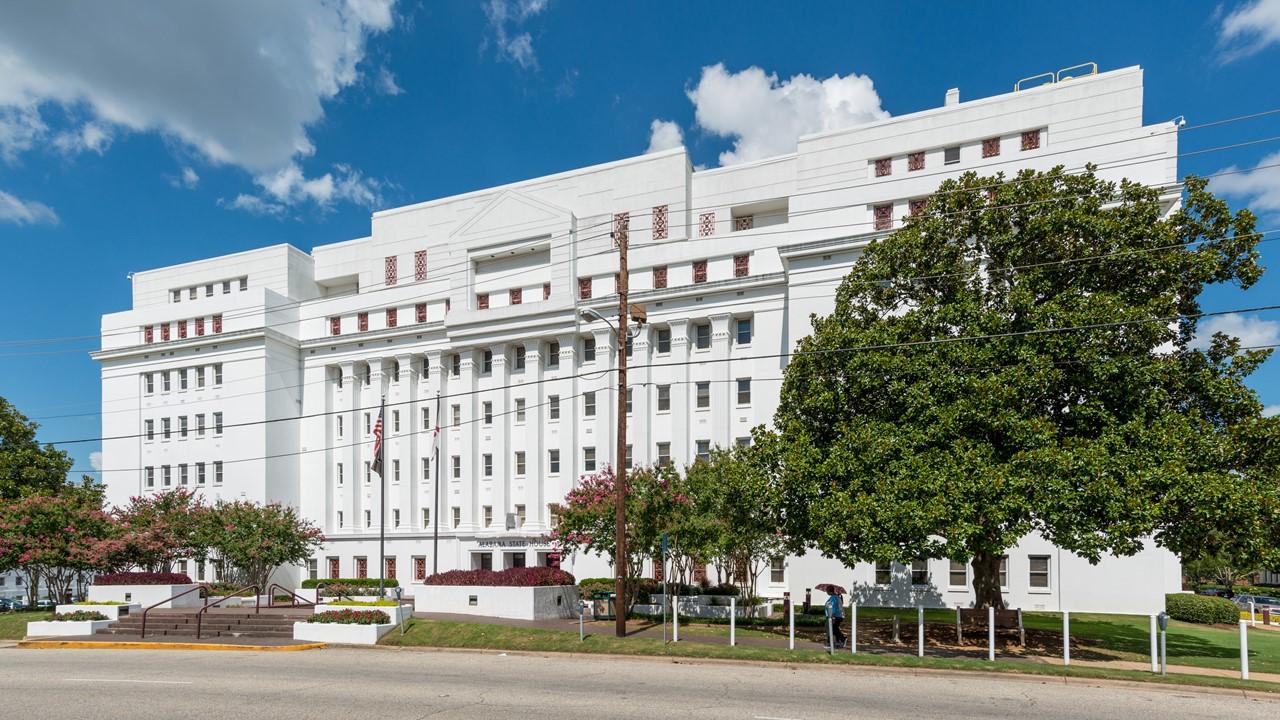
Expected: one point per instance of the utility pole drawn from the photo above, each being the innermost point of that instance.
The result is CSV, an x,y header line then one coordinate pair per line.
x,y
620,469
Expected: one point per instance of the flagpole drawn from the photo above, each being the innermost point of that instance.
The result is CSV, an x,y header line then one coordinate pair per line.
x,y
435,511
382,511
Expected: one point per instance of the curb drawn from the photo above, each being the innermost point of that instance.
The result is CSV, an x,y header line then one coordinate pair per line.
x,y
114,645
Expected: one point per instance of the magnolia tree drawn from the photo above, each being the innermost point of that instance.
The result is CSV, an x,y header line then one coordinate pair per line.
x,y
257,539
55,537
26,466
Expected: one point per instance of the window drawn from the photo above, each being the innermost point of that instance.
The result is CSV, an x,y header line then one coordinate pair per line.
x,y
520,355
149,382
199,326
991,147
1031,140
744,222
368,473
313,569
217,472
191,293
217,423
659,222
951,155
627,458
520,465
456,411
217,324
589,404
630,346
660,277
226,287
553,461
165,382
182,427
741,265
744,391
426,468
426,368
166,475
457,516
588,458
699,271
919,572
915,161
584,288
664,398
744,441
884,166
702,336
883,216
958,575
208,290
390,270
488,412
706,224
553,407
704,449
426,418
368,518
1004,571
392,314
150,473
177,296
777,570
426,517
420,265
200,473
455,464
916,206
664,341
338,426
742,330
244,283
482,301
455,365
703,395
883,573
420,312
200,376
362,321
589,350
515,296
519,410
148,334
337,473
1039,571
200,425
553,355
486,462
395,471
182,379
488,515
182,328
629,398
339,518
395,421
217,375
164,428
149,427
520,516
183,478
664,454
546,291
486,362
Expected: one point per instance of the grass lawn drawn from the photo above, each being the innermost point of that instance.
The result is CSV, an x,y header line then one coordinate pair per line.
x,y
13,626
441,633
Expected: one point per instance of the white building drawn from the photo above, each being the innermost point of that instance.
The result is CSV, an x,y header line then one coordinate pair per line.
x,y
258,375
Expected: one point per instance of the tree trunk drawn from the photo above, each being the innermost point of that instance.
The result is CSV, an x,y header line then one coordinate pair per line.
x,y
32,574
986,581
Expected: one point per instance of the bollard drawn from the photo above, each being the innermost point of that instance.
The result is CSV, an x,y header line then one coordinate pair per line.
x,y
991,634
1253,616
1066,637
1244,650
675,618
920,630
853,628
897,637
959,632
582,636
831,638
791,627
733,620
1155,659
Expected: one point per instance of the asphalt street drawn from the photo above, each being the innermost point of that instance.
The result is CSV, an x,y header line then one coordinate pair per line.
x,y
336,682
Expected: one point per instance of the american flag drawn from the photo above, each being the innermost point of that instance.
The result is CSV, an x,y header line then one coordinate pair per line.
x,y
377,444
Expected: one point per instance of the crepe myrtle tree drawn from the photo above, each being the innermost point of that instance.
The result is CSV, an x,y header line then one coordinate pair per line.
x,y
157,530
256,539
55,537
1023,357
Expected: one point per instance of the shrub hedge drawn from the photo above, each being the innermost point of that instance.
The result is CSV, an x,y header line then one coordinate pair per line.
x,y
350,617
1203,609
142,578
365,603
352,582
80,616
511,577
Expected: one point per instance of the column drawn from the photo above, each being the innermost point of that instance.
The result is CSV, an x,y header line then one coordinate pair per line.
x,y
500,445
681,391
466,435
534,495
640,424
604,429
723,388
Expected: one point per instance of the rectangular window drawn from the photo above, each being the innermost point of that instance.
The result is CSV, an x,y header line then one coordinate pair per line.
x,y
1004,571
703,395
149,383
455,365
520,465
457,516
182,427
1039,571
337,474
166,475
589,350
588,458
368,473
395,522
884,574
362,321
200,377
488,412
664,454
744,391
426,517
244,283
199,326
951,155
884,166
991,147
456,411
182,379
589,404
584,288
883,216
368,518
420,312
200,425
338,426
217,324
149,427
426,418
183,478
515,296
217,375
486,362
553,354
627,459
182,328
165,382
777,570
629,398
744,441
340,524
486,462
958,574
455,465
426,468
702,336
699,271
659,277
915,161
390,270
395,421
743,222
703,449
217,472
226,287
487,510
546,291
482,301
217,423
164,428
150,473
706,225
395,471
553,407
659,222
392,317
664,398
553,461
1031,140
741,265
919,572
200,473
742,330
420,265
177,296
664,341
519,410
164,331
521,352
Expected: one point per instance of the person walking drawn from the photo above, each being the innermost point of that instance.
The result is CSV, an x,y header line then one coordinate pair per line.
x,y
835,611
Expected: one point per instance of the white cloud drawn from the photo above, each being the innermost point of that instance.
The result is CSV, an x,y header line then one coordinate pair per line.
x,y
1252,331
766,117
253,205
189,178
239,82
1271,411
1249,28
505,20
387,84
664,135
25,212
1258,186
95,460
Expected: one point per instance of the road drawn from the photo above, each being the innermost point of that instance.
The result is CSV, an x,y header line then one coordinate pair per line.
x,y
343,683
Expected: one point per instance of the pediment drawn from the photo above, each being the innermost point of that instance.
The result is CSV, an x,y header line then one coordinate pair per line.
x,y
514,213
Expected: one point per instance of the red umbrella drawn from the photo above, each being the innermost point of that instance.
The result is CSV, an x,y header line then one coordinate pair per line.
x,y
829,588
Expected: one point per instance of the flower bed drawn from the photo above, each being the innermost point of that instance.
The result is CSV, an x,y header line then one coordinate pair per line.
x,y
395,610
348,626
309,584
511,577
350,617
80,622
142,578
111,609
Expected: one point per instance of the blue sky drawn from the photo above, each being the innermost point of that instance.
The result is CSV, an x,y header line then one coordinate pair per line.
x,y
138,135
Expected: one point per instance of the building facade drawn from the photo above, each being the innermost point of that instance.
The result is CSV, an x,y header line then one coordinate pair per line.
x,y
260,375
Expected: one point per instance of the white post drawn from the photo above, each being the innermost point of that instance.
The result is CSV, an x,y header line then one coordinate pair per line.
x,y
1253,616
920,630
733,620
853,628
791,625
675,618
831,638
1066,637
991,633
581,632
1244,650
1155,652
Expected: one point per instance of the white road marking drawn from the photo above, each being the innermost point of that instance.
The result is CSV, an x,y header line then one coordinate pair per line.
x,y
122,680
770,717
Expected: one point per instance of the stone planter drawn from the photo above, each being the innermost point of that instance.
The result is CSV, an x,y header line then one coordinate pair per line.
x,y
47,628
113,612
397,614
147,595
519,603
340,633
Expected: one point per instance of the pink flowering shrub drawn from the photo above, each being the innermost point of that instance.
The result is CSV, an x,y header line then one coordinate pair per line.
x,y
142,578
511,577
350,617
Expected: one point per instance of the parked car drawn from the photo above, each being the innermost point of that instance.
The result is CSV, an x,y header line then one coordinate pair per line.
x,y
46,605
1215,592
11,604
1259,602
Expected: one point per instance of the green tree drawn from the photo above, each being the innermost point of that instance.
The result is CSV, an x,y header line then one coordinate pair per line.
x,y
899,439
256,539
55,536
26,465
157,529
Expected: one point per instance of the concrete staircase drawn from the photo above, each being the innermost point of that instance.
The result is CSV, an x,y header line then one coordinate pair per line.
x,y
179,625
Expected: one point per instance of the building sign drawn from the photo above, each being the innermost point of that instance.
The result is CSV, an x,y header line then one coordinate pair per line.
x,y
513,543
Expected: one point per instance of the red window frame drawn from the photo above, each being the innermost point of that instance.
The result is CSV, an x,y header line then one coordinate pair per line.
x,y
584,288
883,216
660,277
707,224
335,325
1031,140
391,271
199,326
515,296
741,265
182,329
546,291
392,316
164,332
991,147
659,222
148,334
915,161
362,321
420,312
420,265
884,166
917,206
699,271
482,301
217,324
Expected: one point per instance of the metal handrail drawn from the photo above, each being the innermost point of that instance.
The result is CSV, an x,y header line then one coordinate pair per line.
x,y
257,600
1093,70
322,585
1052,79
295,597
149,608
